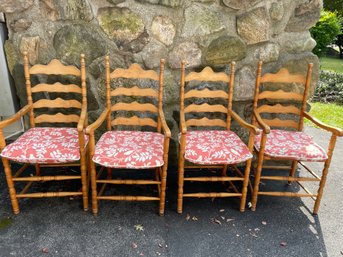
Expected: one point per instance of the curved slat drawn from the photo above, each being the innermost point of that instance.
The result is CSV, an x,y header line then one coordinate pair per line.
x,y
134,91
57,87
283,76
281,123
278,108
134,121
206,93
205,122
57,103
55,67
280,94
207,74
135,71
134,106
205,108
57,118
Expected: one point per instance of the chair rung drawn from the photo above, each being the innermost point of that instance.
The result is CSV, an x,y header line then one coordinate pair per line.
x,y
59,165
275,167
46,178
128,198
48,194
200,195
21,170
214,179
310,171
129,182
204,167
287,194
289,178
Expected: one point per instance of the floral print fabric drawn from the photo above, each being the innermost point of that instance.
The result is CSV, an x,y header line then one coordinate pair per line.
x,y
215,147
291,145
45,145
130,149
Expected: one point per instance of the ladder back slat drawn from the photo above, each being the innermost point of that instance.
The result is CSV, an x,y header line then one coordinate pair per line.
x,y
206,93
57,87
134,106
57,103
55,67
205,108
135,71
57,118
278,108
281,123
207,74
134,91
205,122
134,121
283,76
280,94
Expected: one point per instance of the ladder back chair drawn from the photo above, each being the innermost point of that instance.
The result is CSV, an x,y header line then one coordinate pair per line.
x,y
280,114
131,148
216,148
50,145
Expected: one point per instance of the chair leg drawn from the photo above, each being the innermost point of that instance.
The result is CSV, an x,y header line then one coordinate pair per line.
x,y
11,189
181,171
245,185
163,187
257,182
93,188
324,174
83,168
293,169
37,169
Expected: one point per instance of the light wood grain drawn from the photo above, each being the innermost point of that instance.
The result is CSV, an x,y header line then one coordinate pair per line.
x,y
205,108
135,71
283,76
57,103
134,91
281,123
280,94
57,118
205,122
55,67
134,121
207,74
278,108
56,87
134,106
206,93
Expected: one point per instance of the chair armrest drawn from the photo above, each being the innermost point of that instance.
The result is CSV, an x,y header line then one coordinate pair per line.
x,y
243,123
81,123
183,126
165,127
96,124
334,130
264,126
16,116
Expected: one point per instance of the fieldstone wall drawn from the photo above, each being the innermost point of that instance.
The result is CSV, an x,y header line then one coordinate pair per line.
x,y
202,32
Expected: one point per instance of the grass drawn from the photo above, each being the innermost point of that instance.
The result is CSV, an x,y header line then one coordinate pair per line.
x,y
331,64
331,114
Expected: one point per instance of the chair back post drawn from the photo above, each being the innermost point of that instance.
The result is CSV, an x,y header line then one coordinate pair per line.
x,y
160,93
230,95
304,101
84,85
257,90
108,91
28,88
182,89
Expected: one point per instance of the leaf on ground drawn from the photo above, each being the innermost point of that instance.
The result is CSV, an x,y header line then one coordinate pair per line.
x,y
141,254
214,220
264,222
160,245
139,227
249,204
283,243
341,252
253,234
221,210
228,220
222,217
257,229
194,218
45,250
188,217
134,245
158,253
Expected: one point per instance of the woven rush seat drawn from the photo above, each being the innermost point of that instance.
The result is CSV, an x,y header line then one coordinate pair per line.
x,y
215,147
45,145
130,149
291,145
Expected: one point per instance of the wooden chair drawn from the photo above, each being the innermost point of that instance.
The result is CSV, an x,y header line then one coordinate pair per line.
x,y
131,149
216,148
282,137
49,146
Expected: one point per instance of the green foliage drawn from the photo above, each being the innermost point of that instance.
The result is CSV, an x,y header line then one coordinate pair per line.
x,y
330,114
334,6
325,31
331,64
329,88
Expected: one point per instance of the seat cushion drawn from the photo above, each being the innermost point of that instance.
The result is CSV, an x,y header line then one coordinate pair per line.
x,y
291,145
45,145
130,149
215,147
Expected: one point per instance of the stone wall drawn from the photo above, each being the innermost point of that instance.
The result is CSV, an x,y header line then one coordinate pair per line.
x,y
203,32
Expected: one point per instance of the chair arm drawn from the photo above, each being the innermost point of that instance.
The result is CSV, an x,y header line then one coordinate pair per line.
x,y
263,125
81,123
183,126
334,130
90,129
16,116
165,127
243,123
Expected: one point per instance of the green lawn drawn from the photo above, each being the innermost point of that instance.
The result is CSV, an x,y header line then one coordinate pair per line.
x,y
331,114
332,64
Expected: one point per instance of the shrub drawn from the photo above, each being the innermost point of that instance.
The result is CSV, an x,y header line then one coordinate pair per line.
x,y
329,88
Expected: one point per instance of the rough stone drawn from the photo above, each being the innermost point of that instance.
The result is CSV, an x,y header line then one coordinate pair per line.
x,y
152,54
135,45
10,6
11,55
115,1
240,4
297,42
201,20
224,50
276,11
187,51
267,53
31,46
244,84
163,29
70,41
20,25
97,67
120,24
305,16
170,3
254,26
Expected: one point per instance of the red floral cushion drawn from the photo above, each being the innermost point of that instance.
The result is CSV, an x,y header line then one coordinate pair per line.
x,y
45,145
291,145
130,149
215,147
